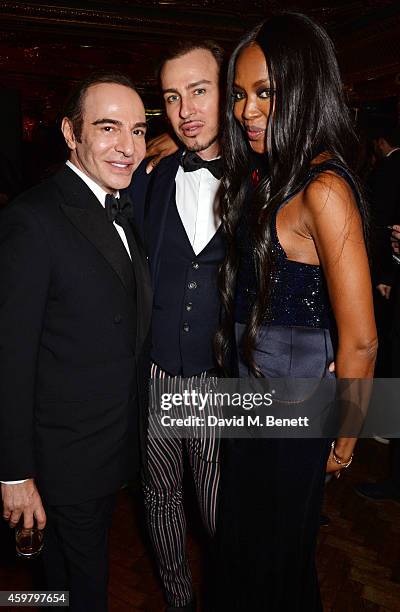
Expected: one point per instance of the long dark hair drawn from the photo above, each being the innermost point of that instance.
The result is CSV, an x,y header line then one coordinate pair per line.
x,y
310,116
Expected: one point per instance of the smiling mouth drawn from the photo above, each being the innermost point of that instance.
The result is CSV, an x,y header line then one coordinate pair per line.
x,y
121,165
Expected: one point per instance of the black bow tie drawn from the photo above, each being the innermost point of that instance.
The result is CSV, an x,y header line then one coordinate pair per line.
x,y
191,162
118,209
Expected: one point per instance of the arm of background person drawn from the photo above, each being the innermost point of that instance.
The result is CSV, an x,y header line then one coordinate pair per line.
x,y
24,281
334,222
158,148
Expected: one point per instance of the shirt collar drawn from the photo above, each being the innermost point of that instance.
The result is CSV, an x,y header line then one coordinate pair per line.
x,y
212,159
98,191
392,151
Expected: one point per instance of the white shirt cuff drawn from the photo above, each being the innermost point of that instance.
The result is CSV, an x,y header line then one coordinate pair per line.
x,y
13,481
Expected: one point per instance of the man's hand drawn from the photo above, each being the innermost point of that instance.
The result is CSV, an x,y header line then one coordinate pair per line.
x,y
23,500
395,239
159,147
384,290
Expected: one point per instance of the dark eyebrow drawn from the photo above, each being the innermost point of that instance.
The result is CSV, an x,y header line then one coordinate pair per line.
x,y
197,83
116,122
105,120
265,82
262,82
190,86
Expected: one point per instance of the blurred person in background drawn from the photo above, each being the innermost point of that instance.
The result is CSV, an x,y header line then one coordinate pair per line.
x,y
384,199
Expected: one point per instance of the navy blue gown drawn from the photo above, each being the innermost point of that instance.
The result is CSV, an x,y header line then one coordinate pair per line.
x,y
271,489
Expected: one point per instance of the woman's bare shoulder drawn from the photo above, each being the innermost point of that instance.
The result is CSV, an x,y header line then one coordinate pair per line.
x,y
328,193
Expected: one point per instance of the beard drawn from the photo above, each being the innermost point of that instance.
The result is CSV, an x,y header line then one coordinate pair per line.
x,y
197,146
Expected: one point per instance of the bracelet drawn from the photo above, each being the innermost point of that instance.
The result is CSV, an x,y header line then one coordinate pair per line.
x,y
339,461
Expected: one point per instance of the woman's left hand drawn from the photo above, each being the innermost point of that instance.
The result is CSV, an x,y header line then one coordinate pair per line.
x,y
343,451
332,466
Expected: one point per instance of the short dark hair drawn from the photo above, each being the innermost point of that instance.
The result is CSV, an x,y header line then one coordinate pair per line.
x,y
183,47
393,139
385,127
74,104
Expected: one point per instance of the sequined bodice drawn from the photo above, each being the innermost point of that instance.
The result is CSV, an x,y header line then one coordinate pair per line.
x,y
298,291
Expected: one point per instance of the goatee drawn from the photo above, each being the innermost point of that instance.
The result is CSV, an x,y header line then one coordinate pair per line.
x,y
202,146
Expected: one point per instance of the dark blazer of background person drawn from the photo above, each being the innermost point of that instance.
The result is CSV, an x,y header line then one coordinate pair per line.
x,y
384,195
74,318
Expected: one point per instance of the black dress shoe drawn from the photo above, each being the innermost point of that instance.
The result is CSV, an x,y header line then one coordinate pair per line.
x,y
190,607
376,491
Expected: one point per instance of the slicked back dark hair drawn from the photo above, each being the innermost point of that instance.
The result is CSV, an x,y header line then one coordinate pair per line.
x,y
310,117
386,128
393,137
183,47
73,108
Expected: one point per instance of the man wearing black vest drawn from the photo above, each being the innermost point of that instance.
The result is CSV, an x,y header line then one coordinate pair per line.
x,y
75,307
179,216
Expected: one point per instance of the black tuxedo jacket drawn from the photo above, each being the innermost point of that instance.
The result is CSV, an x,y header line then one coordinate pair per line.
x,y
74,327
151,194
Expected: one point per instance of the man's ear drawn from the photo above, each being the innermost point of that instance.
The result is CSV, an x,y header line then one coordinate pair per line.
x,y
383,143
68,133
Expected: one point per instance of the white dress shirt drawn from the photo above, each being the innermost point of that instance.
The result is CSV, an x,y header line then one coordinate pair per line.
x,y
101,196
197,202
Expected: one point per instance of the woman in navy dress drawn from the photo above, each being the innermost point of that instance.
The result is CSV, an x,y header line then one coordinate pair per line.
x,y
296,290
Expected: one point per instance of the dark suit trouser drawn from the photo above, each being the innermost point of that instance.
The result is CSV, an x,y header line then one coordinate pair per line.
x,y
75,555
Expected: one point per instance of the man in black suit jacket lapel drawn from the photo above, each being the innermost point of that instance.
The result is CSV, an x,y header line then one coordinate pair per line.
x,y
75,305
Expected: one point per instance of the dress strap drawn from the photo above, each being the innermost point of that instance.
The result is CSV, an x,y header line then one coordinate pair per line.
x,y
333,165
337,167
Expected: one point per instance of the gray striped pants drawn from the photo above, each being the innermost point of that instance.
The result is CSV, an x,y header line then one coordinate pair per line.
x,y
163,492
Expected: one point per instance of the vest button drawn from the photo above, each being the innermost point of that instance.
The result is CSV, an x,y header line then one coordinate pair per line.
x,y
117,318
186,327
189,306
195,265
192,285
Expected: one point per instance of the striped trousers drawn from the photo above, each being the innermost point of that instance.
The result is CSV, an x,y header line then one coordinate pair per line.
x,y
163,491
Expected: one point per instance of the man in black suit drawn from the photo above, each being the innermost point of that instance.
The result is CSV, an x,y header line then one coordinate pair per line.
x,y
75,305
385,202
177,208
384,196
